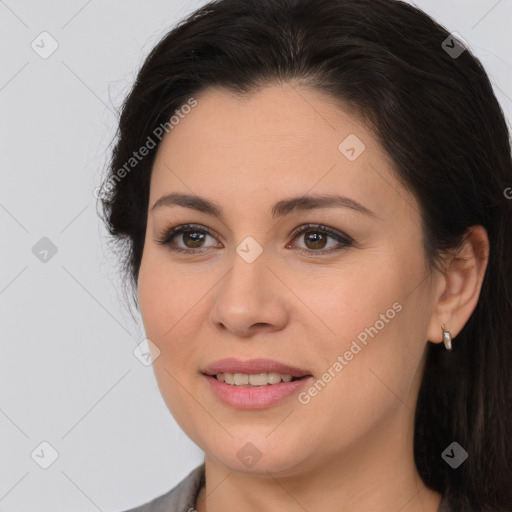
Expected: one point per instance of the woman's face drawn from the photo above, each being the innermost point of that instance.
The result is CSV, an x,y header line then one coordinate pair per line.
x,y
352,315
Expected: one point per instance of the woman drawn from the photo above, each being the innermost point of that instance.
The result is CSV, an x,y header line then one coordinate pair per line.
x,y
313,201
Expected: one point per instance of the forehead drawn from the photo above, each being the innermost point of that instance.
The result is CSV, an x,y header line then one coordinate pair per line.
x,y
281,140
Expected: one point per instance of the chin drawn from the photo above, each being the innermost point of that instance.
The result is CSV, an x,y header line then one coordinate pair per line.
x,y
243,455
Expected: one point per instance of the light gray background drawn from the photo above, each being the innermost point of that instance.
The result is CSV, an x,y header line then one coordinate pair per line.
x,y
68,375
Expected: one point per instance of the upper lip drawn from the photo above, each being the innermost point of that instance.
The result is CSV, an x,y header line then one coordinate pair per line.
x,y
253,366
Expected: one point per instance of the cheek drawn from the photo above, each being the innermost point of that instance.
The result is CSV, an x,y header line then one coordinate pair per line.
x,y
162,302
170,302
166,310
362,305
153,292
362,340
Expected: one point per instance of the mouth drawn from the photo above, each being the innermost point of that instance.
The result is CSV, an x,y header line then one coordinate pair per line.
x,y
255,383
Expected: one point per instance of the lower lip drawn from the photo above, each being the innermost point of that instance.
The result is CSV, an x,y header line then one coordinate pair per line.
x,y
257,397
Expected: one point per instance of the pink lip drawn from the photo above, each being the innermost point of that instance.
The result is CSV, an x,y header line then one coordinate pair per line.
x,y
253,366
258,397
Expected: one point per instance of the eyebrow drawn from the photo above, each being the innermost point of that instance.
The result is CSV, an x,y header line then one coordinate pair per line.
x,y
280,209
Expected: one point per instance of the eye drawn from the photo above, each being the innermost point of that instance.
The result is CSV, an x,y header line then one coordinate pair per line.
x,y
315,236
191,235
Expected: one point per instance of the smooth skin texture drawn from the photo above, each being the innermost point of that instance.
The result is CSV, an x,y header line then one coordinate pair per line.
x,y
352,444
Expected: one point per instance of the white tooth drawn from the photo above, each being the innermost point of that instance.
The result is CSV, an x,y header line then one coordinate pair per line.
x,y
259,379
273,378
241,379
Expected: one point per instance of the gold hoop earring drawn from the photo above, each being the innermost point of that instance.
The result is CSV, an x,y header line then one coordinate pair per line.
x,y
447,338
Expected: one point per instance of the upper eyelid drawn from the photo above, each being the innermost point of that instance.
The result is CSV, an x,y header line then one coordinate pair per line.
x,y
320,227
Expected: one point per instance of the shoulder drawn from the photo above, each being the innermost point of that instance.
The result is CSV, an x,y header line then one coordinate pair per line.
x,y
180,498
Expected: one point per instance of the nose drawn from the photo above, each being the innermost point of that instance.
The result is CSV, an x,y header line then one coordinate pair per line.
x,y
250,299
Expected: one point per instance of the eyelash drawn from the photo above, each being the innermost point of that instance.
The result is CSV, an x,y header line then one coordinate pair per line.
x,y
166,236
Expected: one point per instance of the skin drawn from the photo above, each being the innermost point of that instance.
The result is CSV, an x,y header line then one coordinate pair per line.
x,y
352,444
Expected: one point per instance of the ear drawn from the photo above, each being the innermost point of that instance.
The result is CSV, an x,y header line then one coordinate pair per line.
x,y
460,284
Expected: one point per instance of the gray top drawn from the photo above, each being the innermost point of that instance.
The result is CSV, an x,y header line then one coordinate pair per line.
x,y
179,499
183,497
